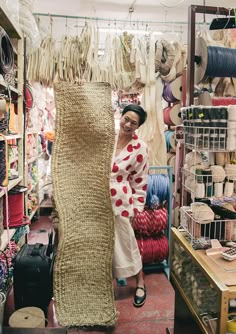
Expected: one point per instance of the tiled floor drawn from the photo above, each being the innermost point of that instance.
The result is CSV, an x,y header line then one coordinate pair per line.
x,y
153,318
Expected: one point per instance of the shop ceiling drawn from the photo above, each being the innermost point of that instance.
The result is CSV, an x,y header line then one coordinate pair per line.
x,y
155,14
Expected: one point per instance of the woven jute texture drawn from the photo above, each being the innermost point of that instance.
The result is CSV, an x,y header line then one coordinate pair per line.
x,y
81,165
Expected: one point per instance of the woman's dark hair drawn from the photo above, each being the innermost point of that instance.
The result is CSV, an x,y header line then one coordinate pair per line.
x,y
138,110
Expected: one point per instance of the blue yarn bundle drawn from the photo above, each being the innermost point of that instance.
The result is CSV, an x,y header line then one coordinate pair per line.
x,y
157,190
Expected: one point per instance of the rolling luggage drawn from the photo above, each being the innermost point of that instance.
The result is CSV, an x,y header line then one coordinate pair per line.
x,y
32,275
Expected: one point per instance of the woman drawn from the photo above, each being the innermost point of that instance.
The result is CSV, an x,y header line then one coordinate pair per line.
x,y
128,193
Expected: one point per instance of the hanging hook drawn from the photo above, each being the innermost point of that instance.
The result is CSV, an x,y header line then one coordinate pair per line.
x,y
51,22
66,25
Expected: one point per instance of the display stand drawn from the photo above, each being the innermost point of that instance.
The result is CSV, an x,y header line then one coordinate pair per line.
x,y
201,286
165,265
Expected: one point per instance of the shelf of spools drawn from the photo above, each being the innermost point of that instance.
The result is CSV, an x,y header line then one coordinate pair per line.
x,y
203,139
210,136
171,113
173,98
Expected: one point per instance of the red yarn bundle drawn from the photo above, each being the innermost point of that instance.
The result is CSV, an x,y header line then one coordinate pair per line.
x,y
153,250
150,222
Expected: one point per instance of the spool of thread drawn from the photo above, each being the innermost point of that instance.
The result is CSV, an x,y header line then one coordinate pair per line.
x,y
232,113
172,115
213,61
220,158
229,189
167,94
231,143
170,139
218,189
27,317
176,88
211,158
200,190
207,179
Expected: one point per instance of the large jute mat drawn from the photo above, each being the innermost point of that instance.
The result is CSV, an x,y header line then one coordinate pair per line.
x,y
81,164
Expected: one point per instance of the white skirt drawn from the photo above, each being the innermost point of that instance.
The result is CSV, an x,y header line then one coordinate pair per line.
x,y
127,260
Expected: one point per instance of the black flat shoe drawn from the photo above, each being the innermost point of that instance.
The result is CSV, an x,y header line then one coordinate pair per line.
x,y
139,301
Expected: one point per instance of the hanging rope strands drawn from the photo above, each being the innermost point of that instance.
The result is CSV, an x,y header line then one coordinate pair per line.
x,y
213,61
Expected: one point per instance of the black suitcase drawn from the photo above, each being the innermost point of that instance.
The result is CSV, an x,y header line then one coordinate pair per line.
x,y
32,276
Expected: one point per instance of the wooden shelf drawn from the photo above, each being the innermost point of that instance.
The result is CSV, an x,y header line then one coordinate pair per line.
x,y
5,86
11,137
12,184
11,27
31,132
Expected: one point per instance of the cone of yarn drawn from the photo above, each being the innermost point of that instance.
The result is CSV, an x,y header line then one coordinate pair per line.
x,y
81,166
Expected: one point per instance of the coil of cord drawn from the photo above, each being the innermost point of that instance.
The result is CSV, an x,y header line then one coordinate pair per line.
x,y
164,57
6,53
